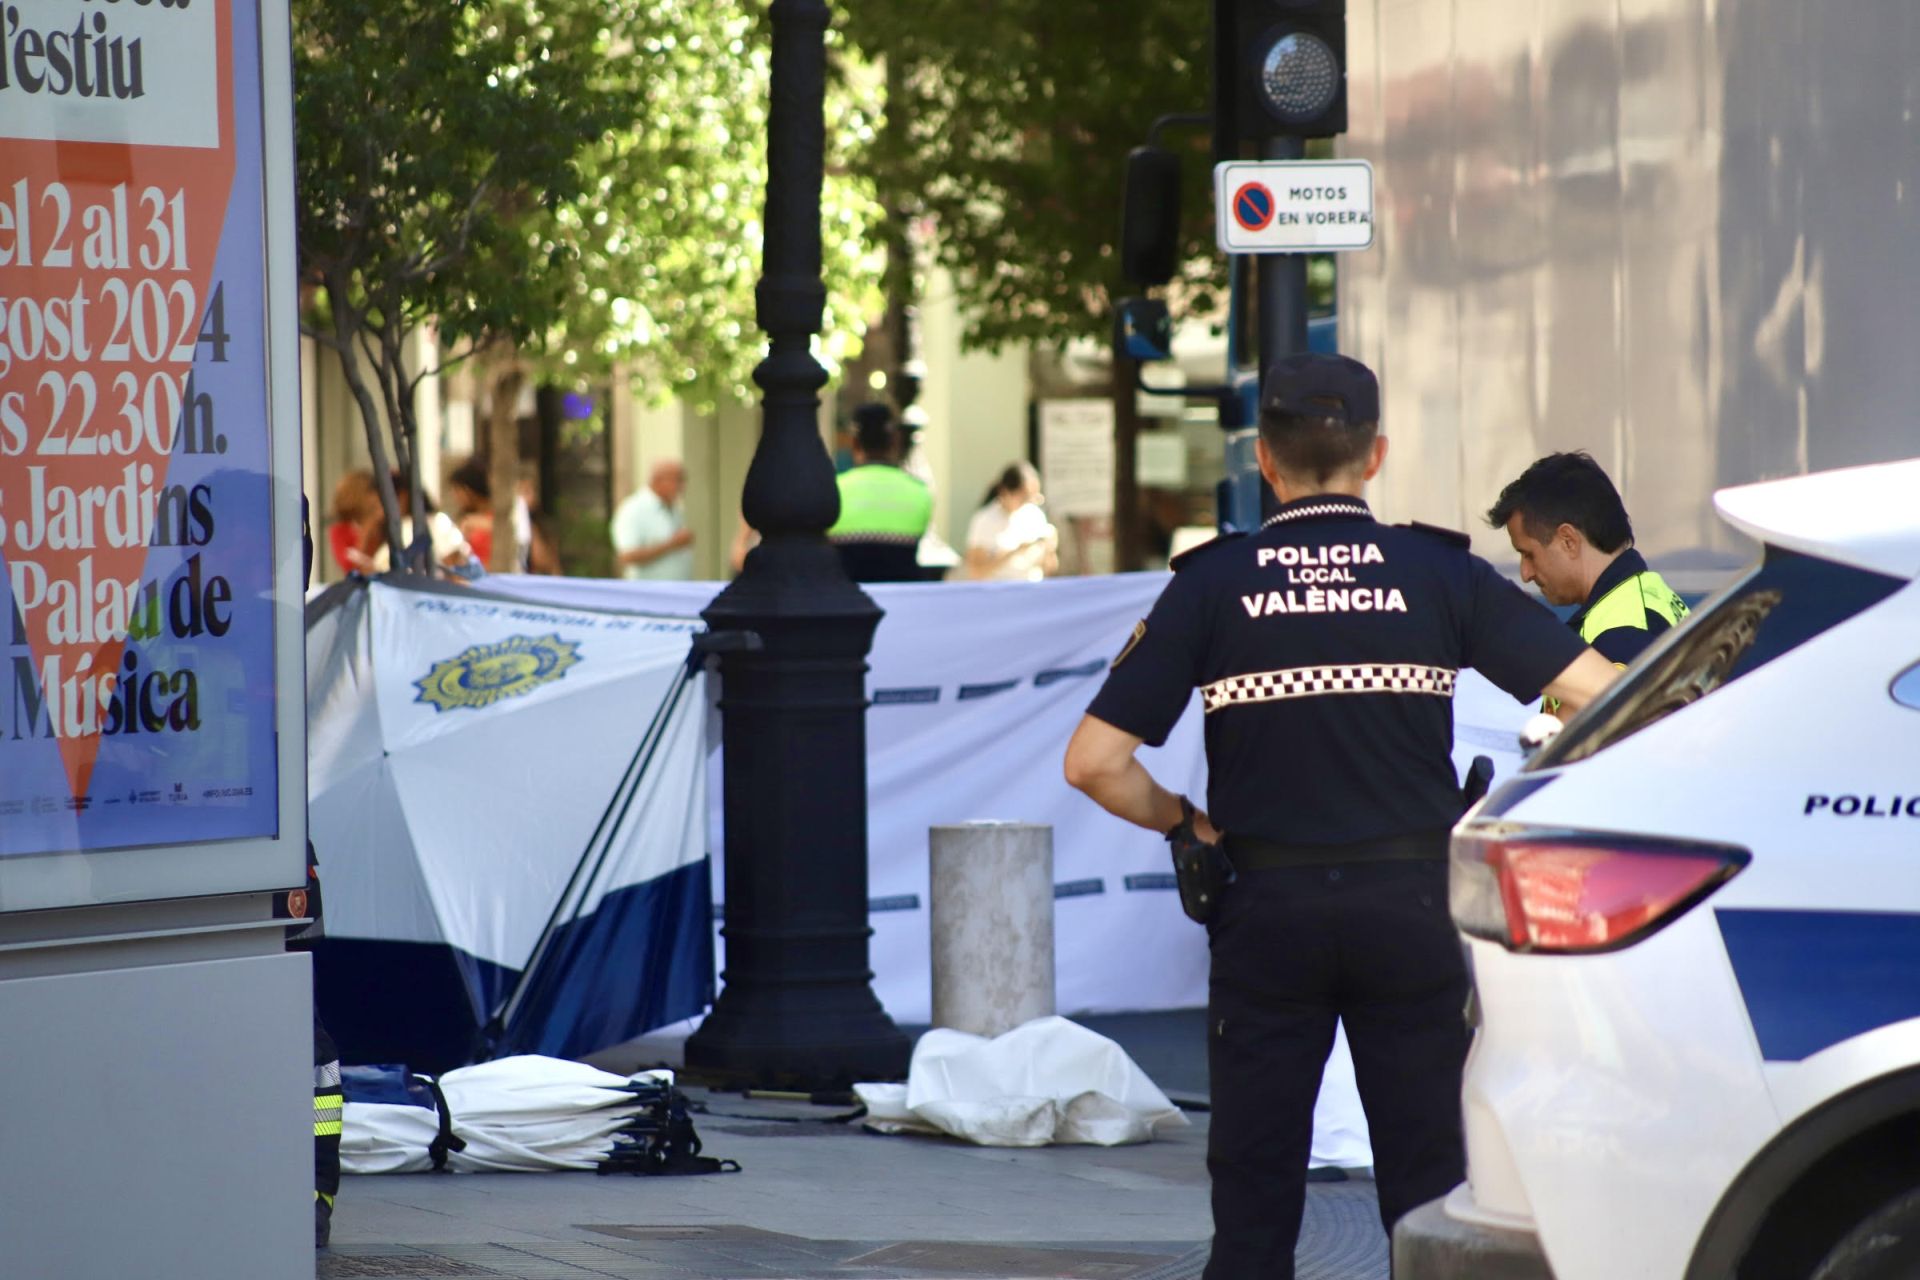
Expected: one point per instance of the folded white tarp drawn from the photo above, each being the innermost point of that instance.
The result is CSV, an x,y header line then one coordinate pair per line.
x,y
1048,1081
523,1114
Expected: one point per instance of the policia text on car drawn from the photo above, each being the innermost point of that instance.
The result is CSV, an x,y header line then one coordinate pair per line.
x,y
1329,726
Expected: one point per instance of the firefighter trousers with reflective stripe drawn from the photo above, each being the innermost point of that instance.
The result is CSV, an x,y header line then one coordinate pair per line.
x,y
1296,949
328,1106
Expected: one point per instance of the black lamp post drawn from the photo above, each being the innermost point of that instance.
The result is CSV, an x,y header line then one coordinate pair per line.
x,y
798,1008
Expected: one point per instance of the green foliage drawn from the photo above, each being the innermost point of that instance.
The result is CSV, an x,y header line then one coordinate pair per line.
x,y
1019,117
427,132
663,252
580,178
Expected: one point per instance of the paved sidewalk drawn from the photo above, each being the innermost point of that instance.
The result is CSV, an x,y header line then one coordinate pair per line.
x,y
826,1200
819,1200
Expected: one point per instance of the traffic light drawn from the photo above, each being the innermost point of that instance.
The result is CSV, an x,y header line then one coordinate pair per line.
x,y
1150,217
1280,68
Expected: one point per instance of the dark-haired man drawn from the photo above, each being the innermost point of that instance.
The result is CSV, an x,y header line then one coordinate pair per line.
x,y
1325,648
1567,522
884,510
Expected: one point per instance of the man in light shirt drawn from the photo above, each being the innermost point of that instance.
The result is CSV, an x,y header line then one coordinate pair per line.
x,y
650,535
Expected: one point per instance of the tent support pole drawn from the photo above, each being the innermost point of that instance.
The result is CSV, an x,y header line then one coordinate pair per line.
x,y
500,1031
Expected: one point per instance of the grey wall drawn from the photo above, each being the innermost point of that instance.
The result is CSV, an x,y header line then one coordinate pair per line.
x,y
1680,234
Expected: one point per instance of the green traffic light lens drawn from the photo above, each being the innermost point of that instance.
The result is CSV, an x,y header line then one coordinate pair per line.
x,y
1299,77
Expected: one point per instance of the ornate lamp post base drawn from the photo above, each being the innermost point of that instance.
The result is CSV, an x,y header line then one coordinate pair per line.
x,y
797,1007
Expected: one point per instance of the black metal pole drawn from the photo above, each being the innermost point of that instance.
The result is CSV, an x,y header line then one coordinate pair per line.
x,y
1282,299
798,1007
1283,283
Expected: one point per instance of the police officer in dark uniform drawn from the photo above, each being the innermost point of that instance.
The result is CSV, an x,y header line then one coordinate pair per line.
x,y
1325,648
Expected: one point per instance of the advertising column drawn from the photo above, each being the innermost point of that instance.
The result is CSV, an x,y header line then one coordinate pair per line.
x,y
151,717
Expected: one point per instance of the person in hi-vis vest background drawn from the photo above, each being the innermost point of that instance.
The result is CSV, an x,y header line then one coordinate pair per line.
x,y
1566,520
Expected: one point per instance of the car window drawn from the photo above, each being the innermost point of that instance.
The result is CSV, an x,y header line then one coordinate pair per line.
x,y
1787,600
1906,687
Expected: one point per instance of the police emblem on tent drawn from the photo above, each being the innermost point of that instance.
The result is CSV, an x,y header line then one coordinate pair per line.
x,y
487,673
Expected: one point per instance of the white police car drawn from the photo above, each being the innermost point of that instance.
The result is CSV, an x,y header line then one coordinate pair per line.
x,y
1694,924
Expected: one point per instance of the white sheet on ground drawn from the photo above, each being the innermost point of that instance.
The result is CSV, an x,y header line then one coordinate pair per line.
x,y
1340,1134
1047,1081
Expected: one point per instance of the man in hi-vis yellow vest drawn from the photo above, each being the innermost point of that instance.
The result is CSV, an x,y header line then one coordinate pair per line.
x,y
1566,520
884,511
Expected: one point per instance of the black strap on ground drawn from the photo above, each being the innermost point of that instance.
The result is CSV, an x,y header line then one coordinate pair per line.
x,y
445,1142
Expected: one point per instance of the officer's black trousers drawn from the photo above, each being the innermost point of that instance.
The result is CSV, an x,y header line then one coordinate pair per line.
x,y
1294,949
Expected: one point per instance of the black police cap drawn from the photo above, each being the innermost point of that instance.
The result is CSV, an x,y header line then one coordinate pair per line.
x,y
873,416
1318,386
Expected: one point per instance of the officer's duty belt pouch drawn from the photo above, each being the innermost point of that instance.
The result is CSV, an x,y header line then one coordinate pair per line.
x,y
1201,870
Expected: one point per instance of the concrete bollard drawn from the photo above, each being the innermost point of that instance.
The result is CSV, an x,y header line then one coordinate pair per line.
x,y
991,909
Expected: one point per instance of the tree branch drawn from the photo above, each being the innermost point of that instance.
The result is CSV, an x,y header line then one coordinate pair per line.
x,y
345,322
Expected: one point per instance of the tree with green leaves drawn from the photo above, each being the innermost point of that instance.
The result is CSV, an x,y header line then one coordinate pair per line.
x,y
561,185
665,252
427,131
1010,127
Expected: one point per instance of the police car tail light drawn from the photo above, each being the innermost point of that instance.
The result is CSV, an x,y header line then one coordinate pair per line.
x,y
1568,892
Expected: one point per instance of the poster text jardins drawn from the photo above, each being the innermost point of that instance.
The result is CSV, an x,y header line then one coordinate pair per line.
x,y
137,683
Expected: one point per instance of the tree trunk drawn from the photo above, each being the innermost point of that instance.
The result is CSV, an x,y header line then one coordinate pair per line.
x,y
503,458
343,330
399,389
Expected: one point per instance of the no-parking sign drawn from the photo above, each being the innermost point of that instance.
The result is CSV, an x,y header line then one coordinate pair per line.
x,y
1294,206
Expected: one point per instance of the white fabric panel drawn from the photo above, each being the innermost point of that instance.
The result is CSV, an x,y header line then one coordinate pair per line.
x,y
359,818
999,756
462,825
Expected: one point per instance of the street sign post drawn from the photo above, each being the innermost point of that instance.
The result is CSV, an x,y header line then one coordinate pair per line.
x,y
1293,206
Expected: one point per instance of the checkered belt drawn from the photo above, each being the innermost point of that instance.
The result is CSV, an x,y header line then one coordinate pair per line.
x,y
876,539
1311,682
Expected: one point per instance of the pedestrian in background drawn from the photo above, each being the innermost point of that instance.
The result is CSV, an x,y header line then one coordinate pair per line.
x,y
532,530
1325,647
472,495
447,547
651,541
884,511
745,539
355,507
1010,538
1566,521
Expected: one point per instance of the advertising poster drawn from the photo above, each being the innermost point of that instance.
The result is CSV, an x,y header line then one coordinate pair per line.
x,y
136,479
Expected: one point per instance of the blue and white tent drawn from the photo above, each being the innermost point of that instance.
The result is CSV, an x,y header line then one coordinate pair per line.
x,y
506,800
